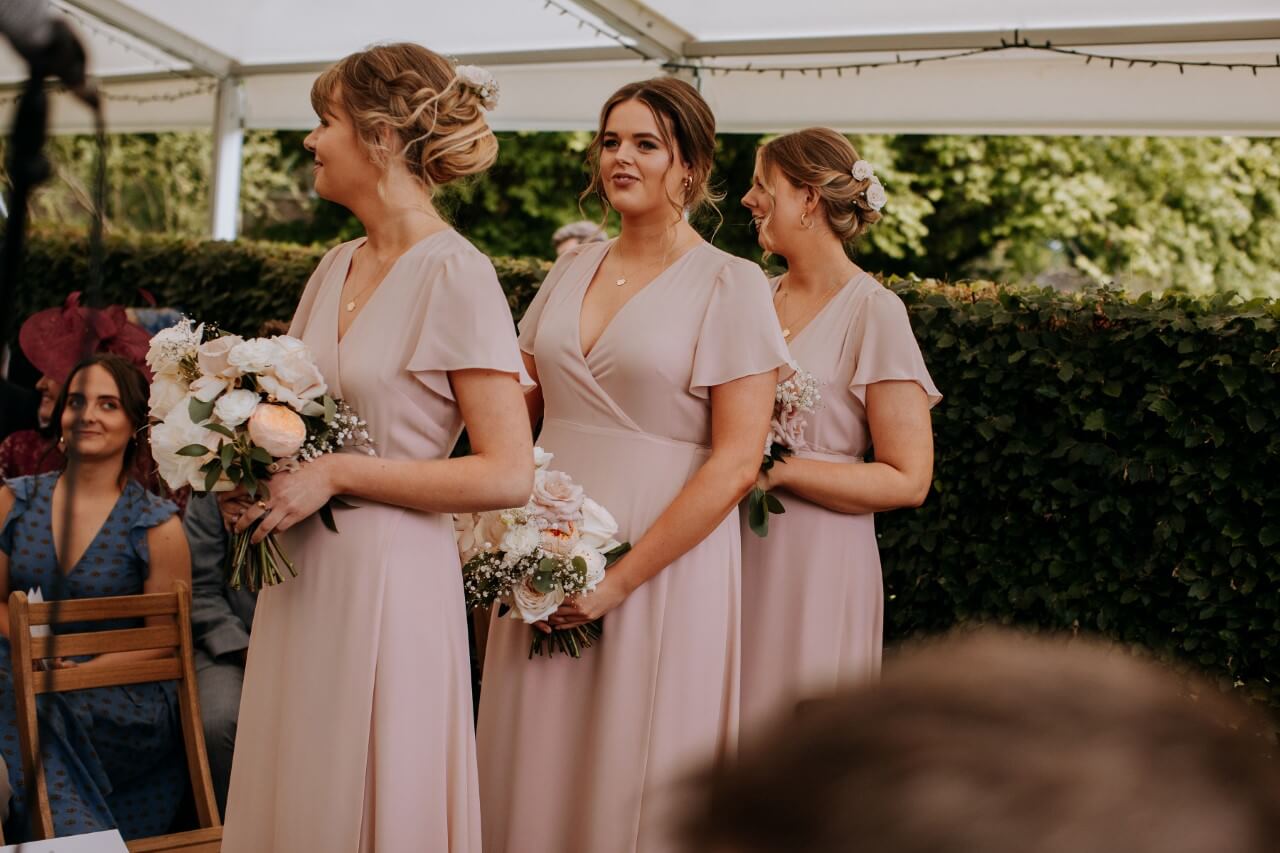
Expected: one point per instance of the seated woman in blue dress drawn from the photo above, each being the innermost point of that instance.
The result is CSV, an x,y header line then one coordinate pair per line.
x,y
113,756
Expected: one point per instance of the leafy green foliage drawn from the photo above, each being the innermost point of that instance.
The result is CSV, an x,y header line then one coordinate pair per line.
x,y
1104,463
1190,214
1196,215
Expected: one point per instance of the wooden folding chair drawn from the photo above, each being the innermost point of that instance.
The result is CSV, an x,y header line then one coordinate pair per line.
x,y
30,681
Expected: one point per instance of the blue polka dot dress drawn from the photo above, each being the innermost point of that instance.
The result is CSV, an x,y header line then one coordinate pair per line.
x,y
113,755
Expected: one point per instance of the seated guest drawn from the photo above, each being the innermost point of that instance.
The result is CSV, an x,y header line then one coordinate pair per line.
x,y
1005,743
220,622
53,340
113,756
576,233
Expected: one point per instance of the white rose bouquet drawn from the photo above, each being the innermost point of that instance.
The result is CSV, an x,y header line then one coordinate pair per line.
x,y
796,396
531,558
230,412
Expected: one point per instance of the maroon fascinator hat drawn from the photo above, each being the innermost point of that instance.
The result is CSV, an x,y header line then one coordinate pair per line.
x,y
57,339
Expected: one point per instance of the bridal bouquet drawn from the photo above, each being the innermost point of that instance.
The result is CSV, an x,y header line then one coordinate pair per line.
x,y
795,397
529,559
230,412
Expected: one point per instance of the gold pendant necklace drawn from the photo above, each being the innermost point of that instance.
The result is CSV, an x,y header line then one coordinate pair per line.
x,y
782,309
622,279
379,273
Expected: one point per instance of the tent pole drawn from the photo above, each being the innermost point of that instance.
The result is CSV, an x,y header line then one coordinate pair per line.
x,y
228,147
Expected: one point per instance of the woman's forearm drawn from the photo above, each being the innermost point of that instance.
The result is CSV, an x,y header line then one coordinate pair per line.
x,y
854,488
466,484
710,495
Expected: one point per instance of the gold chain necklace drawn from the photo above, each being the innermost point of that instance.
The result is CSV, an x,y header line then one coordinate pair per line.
x,y
624,278
782,308
380,272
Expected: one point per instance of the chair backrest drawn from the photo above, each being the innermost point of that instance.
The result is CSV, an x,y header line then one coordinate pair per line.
x,y
168,626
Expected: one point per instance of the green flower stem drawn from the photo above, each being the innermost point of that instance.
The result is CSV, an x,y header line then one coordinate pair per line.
x,y
570,641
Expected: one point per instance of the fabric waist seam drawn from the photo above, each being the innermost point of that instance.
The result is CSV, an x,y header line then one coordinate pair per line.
x,y
622,432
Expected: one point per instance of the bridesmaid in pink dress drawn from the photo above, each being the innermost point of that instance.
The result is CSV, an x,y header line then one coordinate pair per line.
x,y
812,594
656,357
355,728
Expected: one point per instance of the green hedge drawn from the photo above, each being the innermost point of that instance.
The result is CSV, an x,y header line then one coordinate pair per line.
x,y
1103,464
238,284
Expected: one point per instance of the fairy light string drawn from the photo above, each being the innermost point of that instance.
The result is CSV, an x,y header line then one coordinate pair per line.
x,y
1018,42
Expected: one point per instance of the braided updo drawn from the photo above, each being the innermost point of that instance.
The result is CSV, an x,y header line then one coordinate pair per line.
x,y
437,119
823,159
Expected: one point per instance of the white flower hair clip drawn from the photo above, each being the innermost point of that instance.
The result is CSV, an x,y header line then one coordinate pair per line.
x,y
480,81
874,194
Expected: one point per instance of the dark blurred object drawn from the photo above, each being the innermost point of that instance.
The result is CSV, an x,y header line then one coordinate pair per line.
x,y
51,49
996,742
17,408
48,44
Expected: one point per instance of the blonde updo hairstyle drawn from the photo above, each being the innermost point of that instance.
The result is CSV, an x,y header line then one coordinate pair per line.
x,y
687,126
822,159
436,121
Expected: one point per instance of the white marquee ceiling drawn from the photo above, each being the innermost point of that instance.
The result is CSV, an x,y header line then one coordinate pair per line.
x,y
555,71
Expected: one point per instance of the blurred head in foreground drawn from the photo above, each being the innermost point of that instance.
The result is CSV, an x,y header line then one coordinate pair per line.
x,y
994,742
575,234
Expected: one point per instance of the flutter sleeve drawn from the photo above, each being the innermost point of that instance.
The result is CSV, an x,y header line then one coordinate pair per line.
x,y
146,511
22,489
533,314
886,348
739,334
466,325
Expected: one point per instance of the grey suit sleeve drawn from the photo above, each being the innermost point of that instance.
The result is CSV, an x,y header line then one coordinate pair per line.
x,y
215,627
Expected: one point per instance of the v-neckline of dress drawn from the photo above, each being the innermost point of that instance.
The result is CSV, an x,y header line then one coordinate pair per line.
x,y
53,537
582,297
848,285
340,336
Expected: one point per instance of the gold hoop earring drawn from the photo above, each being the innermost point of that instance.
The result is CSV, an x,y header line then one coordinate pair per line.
x,y
805,222
688,183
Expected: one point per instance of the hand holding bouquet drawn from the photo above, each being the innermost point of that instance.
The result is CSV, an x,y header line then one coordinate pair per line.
x,y
795,397
529,559
228,412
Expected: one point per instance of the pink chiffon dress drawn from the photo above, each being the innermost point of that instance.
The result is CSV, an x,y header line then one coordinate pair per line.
x,y
812,592
355,728
586,756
